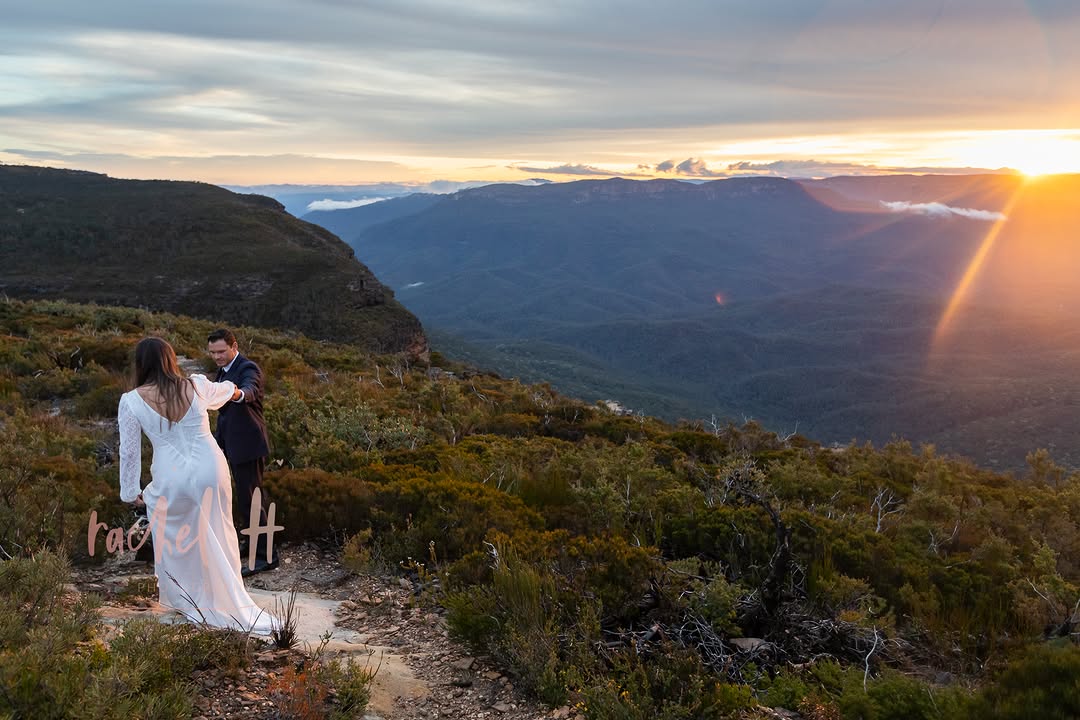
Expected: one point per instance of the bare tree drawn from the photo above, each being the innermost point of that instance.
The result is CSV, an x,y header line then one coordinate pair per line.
x,y
936,541
399,369
885,504
746,483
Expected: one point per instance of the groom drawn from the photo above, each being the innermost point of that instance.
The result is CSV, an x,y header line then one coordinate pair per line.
x,y
241,433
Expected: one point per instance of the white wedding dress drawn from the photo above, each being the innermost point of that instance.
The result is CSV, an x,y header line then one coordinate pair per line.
x,y
189,505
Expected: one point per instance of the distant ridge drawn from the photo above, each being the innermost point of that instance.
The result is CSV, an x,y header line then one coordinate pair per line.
x,y
816,303
190,248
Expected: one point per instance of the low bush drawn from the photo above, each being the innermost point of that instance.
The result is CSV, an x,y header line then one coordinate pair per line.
x,y
52,665
1043,684
323,688
669,683
315,504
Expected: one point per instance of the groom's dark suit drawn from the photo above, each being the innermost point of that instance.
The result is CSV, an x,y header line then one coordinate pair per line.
x,y
241,433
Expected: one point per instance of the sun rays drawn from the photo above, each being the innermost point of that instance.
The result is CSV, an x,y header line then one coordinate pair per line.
x,y
971,273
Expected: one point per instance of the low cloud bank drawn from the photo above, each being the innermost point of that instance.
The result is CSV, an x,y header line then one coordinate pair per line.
x,y
936,209
342,204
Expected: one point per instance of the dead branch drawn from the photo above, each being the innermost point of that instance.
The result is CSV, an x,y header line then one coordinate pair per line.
x,y
885,503
744,483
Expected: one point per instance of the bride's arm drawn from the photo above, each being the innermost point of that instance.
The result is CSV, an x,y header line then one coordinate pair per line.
x,y
130,452
216,394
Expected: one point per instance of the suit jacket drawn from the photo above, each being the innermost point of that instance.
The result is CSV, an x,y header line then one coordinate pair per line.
x,y
241,430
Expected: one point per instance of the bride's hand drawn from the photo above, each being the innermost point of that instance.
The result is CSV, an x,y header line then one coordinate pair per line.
x,y
139,502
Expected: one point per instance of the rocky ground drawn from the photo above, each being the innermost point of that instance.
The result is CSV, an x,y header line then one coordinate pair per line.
x,y
378,619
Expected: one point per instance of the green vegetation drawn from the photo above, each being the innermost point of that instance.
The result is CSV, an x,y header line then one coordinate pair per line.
x,y
54,663
622,565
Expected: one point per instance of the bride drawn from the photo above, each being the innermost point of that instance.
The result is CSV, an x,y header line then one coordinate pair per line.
x,y
189,499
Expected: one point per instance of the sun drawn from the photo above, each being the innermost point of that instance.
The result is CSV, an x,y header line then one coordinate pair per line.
x,y
1031,152
1054,159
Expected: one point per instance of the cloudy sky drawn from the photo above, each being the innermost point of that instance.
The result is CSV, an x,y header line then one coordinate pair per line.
x,y
351,91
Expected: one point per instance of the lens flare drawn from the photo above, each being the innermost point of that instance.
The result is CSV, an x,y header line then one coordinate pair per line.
x,y
963,288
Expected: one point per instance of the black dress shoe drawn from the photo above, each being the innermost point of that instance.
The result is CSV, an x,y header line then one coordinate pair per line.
x,y
260,566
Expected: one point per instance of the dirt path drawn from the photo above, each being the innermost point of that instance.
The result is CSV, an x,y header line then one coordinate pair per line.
x,y
421,673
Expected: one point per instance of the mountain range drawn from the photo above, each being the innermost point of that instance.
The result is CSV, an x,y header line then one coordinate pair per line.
x,y
301,199
932,307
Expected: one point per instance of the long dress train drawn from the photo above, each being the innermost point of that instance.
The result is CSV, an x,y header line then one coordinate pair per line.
x,y
189,505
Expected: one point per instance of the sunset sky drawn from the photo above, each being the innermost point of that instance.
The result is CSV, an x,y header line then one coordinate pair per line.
x,y
353,91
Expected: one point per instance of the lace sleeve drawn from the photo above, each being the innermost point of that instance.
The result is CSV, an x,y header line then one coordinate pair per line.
x,y
215,394
130,451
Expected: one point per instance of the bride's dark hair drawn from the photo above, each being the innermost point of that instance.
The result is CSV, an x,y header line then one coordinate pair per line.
x,y
155,364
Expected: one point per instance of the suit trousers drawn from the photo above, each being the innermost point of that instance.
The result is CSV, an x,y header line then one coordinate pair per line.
x,y
248,476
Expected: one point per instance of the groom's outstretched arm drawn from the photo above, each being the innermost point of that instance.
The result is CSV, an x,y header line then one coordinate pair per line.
x,y
250,383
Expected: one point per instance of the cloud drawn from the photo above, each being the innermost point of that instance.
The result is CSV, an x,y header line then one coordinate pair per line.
x,y
483,81
576,169
690,167
698,168
220,169
821,168
342,204
936,209
800,169
957,171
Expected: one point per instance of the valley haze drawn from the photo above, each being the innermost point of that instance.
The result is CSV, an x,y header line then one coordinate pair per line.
x,y
838,307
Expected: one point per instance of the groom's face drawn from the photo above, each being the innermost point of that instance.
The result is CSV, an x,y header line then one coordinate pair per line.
x,y
222,352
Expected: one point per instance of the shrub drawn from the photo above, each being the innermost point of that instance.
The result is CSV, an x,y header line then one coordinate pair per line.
x,y
100,402
351,682
1043,684
51,667
786,690
701,446
511,425
323,689
111,351
299,694
46,491
515,620
891,696
669,683
703,587
356,554
473,617
610,569
403,507
172,652
313,503
458,515
360,426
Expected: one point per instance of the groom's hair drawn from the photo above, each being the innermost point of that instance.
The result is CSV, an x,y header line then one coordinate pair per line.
x,y
222,334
